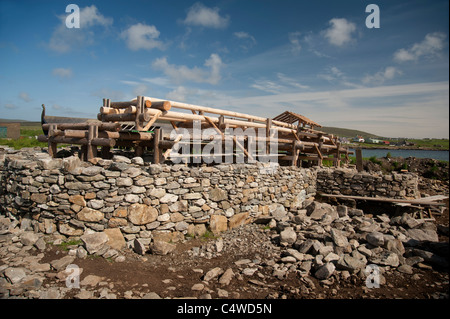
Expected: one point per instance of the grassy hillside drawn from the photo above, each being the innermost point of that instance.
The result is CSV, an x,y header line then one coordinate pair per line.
x,y
345,132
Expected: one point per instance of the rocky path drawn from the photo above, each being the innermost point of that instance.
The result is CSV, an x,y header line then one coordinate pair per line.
x,y
321,251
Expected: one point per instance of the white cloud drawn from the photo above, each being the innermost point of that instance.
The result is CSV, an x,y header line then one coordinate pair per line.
x,y
24,96
430,47
292,82
248,40
419,109
10,106
267,86
142,36
294,39
340,32
378,78
282,84
181,73
199,15
336,76
179,94
64,39
62,73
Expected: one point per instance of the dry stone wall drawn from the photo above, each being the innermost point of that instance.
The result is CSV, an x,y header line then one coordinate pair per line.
x,y
167,202
351,182
143,200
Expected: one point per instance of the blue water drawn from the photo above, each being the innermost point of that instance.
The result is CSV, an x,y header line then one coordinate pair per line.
x,y
438,155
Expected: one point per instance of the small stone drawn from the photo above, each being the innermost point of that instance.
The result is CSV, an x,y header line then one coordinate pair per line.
x,y
15,275
29,238
226,278
62,263
139,247
94,242
339,239
198,287
160,247
213,273
406,269
288,236
375,238
325,271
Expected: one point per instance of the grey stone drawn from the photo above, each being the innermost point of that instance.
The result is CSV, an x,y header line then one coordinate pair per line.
x,y
423,235
217,195
338,237
213,273
15,275
226,278
139,247
288,236
386,258
375,238
62,263
160,247
29,238
94,242
325,271
121,159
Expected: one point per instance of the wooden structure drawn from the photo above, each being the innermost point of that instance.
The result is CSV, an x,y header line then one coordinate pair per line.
x,y
145,124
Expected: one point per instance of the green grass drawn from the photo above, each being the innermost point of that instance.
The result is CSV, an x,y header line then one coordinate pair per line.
x,y
65,245
433,143
27,138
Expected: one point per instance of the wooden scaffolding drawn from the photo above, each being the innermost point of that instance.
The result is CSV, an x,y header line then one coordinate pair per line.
x,y
156,126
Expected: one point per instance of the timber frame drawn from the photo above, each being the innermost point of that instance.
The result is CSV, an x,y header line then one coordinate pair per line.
x,y
144,124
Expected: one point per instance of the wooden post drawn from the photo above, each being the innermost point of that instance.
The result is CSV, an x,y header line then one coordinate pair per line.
x,y
268,126
359,160
139,111
52,146
156,150
91,151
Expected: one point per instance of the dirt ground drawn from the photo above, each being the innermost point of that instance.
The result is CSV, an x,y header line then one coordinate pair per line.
x,y
174,275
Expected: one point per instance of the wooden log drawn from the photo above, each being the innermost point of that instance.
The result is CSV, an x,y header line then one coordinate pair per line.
x,y
205,109
359,160
123,117
52,146
160,105
123,105
156,149
386,199
84,126
77,141
178,116
153,120
91,151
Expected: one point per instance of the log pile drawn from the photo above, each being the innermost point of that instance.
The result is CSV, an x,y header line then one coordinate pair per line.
x,y
157,126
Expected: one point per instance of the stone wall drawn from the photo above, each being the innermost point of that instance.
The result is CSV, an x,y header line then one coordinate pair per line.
x,y
144,200
350,182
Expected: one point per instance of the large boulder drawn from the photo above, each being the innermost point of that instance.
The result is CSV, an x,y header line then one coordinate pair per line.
x,y
141,214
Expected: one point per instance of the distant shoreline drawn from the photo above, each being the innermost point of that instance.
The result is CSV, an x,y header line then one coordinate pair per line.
x,y
399,148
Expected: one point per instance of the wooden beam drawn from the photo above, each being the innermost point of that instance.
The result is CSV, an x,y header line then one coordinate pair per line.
x,y
386,199
152,121
359,160
84,126
160,105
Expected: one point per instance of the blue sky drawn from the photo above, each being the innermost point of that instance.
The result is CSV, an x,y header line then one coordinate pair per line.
x,y
315,58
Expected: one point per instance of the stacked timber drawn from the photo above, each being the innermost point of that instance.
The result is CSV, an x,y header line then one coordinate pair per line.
x,y
149,120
